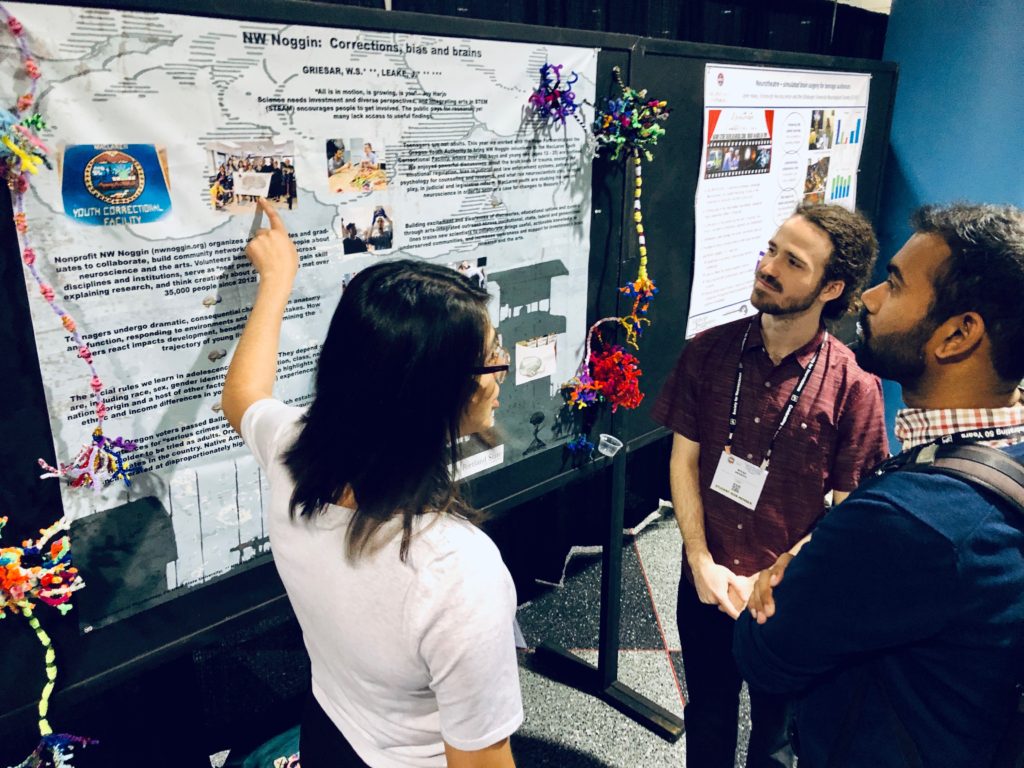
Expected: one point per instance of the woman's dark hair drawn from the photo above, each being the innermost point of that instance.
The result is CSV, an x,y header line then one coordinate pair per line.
x,y
392,384
854,249
984,274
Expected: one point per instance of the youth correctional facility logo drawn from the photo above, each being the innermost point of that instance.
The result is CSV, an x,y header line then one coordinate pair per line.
x,y
110,185
115,177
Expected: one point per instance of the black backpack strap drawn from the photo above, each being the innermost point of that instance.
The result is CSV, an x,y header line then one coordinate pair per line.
x,y
980,465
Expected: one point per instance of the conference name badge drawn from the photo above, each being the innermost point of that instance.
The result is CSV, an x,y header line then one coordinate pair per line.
x,y
739,480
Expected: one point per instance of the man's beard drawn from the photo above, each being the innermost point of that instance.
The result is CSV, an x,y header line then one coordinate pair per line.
x,y
765,302
896,356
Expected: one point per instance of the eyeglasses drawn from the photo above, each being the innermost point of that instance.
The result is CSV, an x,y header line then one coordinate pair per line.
x,y
498,363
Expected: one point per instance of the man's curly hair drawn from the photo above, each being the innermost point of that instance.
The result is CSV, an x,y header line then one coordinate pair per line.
x,y
854,250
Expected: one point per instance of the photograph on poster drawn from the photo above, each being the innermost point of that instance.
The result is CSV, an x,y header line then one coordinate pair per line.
x,y
381,234
822,131
106,185
367,228
725,158
814,184
356,164
716,157
242,171
536,358
474,269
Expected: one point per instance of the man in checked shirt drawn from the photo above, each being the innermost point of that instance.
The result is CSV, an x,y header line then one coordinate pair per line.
x,y
770,414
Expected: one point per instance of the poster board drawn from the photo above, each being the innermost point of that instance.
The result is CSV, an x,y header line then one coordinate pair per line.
x,y
474,183
774,138
371,145
669,70
676,71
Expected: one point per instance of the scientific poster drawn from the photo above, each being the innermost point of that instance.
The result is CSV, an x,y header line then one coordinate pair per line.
x,y
773,138
165,129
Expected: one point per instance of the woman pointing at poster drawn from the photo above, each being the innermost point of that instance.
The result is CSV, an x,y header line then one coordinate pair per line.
x,y
405,606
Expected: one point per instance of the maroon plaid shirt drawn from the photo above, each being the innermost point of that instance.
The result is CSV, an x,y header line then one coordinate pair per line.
x,y
835,435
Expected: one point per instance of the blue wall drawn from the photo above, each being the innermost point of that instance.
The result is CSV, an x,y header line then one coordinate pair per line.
x,y
958,124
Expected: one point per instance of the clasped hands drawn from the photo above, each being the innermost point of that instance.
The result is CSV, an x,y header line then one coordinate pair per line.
x,y
717,585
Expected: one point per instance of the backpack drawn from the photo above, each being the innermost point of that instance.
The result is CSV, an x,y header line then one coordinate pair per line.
x,y
994,471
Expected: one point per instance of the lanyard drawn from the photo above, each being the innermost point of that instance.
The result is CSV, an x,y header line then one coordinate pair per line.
x,y
967,436
979,435
794,396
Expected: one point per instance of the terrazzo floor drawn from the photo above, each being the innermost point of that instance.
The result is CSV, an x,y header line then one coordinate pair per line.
x,y
567,728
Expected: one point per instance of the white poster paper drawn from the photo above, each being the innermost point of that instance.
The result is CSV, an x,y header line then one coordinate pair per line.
x,y
773,138
367,142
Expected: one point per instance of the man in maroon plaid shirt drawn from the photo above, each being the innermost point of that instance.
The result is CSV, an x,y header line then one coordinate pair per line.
x,y
771,414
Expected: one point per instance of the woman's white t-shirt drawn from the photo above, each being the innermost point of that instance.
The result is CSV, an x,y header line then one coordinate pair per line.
x,y
404,654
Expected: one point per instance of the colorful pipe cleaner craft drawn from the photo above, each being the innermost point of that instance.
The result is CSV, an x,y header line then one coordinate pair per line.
x,y
642,289
41,571
630,126
608,374
553,100
101,460
631,123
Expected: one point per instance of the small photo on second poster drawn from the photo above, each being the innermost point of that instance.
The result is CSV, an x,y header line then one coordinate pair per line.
x,y
367,228
814,182
821,134
356,164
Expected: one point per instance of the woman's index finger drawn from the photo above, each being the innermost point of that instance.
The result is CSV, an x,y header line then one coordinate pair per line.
x,y
276,222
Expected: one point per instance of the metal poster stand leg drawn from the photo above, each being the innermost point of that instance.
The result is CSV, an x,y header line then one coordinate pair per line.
x,y
601,681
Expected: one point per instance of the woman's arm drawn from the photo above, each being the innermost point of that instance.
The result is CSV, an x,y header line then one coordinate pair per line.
x,y
495,756
254,365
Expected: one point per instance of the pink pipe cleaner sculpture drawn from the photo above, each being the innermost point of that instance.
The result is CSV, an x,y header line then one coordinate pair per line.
x,y
101,460
554,99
